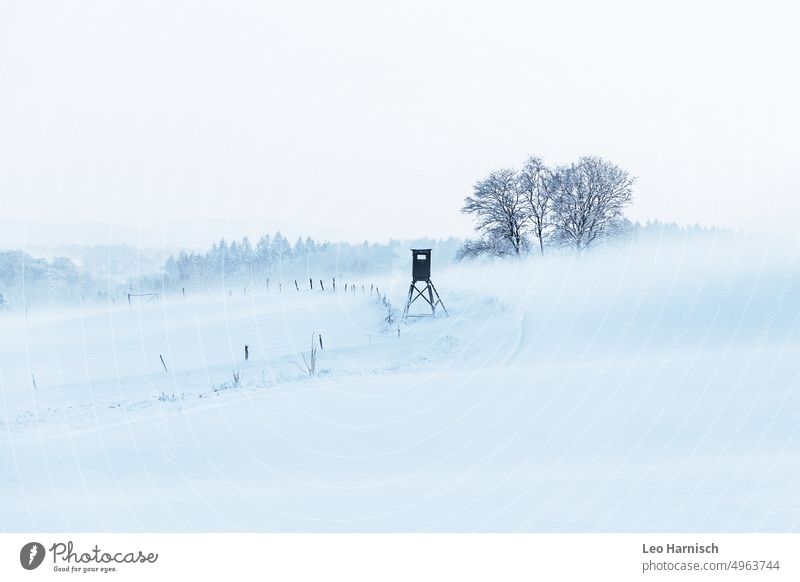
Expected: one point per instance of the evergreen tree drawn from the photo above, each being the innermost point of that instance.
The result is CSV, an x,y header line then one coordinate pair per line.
x,y
263,258
281,249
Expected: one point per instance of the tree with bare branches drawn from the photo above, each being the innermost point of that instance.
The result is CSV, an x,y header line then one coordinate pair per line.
x,y
535,182
500,213
589,198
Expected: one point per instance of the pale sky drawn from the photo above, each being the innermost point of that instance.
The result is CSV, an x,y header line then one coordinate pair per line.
x,y
373,119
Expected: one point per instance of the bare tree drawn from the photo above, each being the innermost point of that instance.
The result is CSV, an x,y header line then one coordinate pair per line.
x,y
589,199
535,182
499,210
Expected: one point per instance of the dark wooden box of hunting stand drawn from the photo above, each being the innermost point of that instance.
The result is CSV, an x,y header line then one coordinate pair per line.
x,y
421,264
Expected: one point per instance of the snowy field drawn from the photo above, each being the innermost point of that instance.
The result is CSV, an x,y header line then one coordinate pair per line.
x,y
631,390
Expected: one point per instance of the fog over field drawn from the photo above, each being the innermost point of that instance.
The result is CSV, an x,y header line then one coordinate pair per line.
x,y
637,388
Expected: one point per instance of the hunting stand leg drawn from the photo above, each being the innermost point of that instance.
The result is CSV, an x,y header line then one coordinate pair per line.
x,y
430,298
408,301
439,300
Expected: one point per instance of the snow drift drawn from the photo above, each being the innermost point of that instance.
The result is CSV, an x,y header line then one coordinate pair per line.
x,y
636,388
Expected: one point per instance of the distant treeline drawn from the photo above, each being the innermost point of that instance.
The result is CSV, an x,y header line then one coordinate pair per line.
x,y
25,279
75,274
274,256
109,273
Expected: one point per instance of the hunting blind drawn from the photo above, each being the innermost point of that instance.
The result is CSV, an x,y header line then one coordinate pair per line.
x,y
421,284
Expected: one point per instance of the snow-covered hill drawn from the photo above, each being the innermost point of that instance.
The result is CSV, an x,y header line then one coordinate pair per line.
x,y
640,389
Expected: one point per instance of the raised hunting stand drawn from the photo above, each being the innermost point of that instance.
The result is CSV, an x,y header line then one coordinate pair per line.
x,y
421,273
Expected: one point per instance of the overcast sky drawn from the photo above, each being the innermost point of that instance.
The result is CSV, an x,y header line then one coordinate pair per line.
x,y
373,119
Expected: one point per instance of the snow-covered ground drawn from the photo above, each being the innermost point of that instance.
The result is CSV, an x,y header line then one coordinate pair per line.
x,y
639,389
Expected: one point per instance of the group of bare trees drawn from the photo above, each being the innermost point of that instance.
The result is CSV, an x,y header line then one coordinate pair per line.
x,y
533,207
